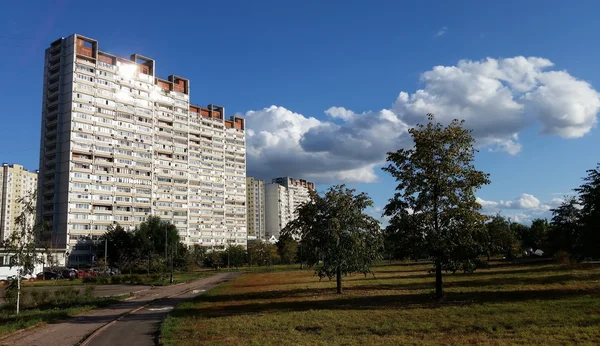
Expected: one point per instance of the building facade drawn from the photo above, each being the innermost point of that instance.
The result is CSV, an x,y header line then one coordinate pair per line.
x,y
16,183
119,144
255,208
282,198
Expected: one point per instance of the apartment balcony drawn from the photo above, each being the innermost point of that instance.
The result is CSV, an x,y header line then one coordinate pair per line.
x,y
106,67
126,82
85,62
52,92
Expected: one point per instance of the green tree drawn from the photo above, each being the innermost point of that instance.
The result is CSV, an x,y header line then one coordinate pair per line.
x,y
154,238
235,255
535,235
437,183
214,259
259,253
198,253
287,249
565,226
336,229
588,243
182,257
519,231
21,243
121,248
500,238
401,239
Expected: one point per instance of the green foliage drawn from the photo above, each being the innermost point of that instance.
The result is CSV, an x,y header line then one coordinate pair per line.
x,y
500,237
182,257
434,206
535,235
563,234
334,228
588,239
287,248
143,250
261,253
121,248
153,233
401,241
520,231
22,242
213,259
197,254
235,255
47,299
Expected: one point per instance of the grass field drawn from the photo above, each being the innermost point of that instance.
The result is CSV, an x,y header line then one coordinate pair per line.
x,y
534,303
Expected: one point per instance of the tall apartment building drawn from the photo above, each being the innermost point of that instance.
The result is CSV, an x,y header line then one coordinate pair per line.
x,y
282,197
255,208
16,183
119,144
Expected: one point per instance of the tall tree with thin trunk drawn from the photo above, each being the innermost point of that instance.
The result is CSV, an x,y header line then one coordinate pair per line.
x,y
335,229
588,242
435,195
22,242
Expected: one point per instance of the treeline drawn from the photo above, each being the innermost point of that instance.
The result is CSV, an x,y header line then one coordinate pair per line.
x,y
155,245
498,237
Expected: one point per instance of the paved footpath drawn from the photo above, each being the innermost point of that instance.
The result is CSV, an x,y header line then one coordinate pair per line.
x,y
138,328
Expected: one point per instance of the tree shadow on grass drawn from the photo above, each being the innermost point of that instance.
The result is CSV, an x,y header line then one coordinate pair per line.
x,y
479,272
379,302
546,280
429,285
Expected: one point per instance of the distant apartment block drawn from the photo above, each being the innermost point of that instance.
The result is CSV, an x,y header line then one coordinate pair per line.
x,y
282,197
255,208
119,144
17,183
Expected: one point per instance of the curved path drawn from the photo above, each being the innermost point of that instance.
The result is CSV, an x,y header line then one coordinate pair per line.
x,y
138,319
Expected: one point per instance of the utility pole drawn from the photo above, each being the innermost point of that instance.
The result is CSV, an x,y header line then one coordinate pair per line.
x,y
105,254
171,281
166,242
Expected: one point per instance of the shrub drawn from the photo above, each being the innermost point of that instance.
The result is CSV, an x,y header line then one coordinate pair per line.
x,y
90,280
40,297
562,257
103,280
88,292
65,296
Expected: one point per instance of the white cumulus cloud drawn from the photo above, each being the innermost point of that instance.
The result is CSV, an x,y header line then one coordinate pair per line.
x,y
498,98
521,209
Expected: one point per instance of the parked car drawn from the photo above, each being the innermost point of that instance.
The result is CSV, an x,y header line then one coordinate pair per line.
x,y
48,276
69,273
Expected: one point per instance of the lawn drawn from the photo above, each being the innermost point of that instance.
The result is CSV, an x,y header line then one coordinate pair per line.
x,y
510,303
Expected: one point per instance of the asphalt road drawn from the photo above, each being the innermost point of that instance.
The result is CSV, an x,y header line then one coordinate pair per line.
x,y
139,328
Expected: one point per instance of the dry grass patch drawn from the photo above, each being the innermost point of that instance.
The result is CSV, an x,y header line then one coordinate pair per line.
x,y
538,303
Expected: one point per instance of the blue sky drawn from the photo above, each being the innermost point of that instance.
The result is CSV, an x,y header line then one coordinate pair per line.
x,y
304,57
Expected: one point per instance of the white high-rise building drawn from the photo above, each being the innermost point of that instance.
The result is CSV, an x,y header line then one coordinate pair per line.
x,y
255,208
119,144
16,183
282,197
